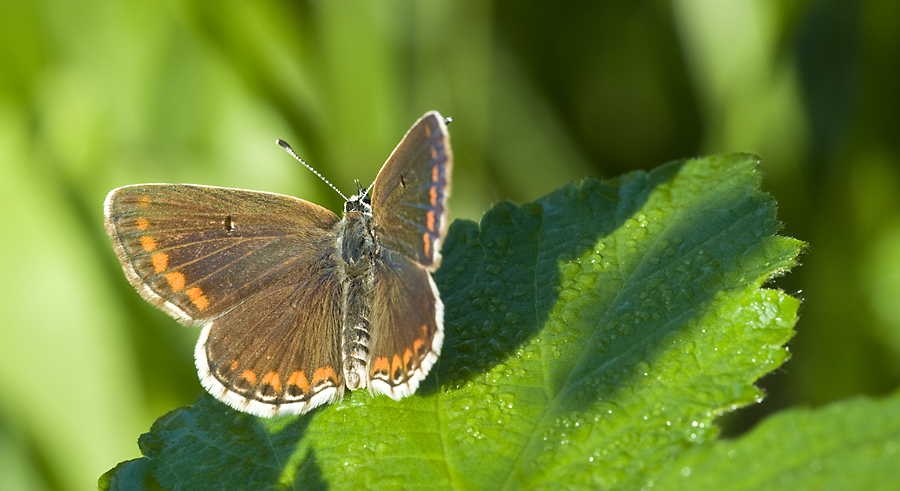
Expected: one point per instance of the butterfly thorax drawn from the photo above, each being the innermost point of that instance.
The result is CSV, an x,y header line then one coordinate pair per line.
x,y
356,250
356,238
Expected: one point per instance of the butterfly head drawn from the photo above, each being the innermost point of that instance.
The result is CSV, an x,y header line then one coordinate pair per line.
x,y
359,202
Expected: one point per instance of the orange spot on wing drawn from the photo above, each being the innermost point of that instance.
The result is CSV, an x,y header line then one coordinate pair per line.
x,y
323,374
381,365
417,345
434,170
396,365
249,376
407,355
425,330
428,132
272,379
144,201
142,223
234,365
430,217
196,295
176,280
433,193
426,242
298,379
148,243
160,261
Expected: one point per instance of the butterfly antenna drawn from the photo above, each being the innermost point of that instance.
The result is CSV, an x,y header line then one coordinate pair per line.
x,y
291,151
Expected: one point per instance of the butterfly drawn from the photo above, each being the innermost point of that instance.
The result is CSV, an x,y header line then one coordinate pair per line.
x,y
296,303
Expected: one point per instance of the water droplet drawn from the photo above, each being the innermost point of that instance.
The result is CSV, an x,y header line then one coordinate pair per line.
x,y
642,368
585,282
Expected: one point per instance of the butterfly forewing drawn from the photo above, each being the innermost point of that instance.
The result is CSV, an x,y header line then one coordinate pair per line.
x,y
409,198
197,251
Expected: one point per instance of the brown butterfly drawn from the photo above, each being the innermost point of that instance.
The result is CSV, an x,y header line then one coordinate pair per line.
x,y
295,302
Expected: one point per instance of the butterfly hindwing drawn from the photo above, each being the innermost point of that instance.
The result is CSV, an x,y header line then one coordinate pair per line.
x,y
409,197
197,251
279,352
407,326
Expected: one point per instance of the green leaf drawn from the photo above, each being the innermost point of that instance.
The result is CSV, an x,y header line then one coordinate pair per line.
x,y
592,337
851,444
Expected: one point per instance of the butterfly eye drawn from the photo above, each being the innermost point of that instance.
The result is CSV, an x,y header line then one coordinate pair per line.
x,y
351,204
356,203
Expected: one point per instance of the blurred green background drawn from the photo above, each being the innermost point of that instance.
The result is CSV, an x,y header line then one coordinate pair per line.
x,y
96,94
